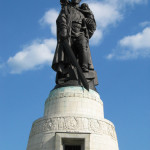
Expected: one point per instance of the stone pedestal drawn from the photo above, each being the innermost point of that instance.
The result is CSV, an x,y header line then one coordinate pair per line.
x,y
73,116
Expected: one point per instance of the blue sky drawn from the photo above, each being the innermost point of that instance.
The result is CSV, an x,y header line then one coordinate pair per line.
x,y
121,55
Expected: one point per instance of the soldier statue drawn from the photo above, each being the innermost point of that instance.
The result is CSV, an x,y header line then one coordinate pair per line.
x,y
76,25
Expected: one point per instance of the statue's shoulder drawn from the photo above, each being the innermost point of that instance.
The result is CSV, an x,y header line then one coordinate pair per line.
x,y
66,9
62,13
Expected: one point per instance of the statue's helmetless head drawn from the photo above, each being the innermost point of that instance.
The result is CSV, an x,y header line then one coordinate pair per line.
x,y
75,1
64,2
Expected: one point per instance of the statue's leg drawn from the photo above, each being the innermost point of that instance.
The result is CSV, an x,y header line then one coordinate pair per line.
x,y
82,52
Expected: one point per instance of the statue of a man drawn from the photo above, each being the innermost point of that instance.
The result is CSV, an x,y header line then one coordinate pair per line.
x,y
76,24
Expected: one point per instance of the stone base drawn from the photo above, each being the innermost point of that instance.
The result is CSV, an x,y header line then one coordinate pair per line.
x,y
73,116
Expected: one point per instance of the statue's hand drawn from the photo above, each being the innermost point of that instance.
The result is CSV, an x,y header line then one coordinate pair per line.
x,y
63,34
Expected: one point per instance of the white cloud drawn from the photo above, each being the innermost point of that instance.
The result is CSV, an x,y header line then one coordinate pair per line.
x,y
40,53
50,19
134,46
145,24
138,41
37,54
132,2
123,3
105,14
108,13
98,35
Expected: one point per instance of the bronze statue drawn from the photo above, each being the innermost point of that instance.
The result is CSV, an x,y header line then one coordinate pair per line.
x,y
75,26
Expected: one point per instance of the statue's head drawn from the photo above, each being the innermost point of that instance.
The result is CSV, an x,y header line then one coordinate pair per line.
x,y
75,1
63,2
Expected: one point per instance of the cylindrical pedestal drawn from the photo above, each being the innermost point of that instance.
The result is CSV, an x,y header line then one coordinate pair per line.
x,y
73,117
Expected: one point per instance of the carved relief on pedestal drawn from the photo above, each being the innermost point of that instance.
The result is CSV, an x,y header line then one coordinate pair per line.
x,y
73,124
74,94
95,125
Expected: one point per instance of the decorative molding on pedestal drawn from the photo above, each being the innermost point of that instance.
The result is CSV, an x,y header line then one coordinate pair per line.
x,y
73,92
74,125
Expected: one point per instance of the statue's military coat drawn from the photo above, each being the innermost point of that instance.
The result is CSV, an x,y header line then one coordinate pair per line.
x,y
61,61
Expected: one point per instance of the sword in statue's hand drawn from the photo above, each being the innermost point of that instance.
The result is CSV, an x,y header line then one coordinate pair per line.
x,y
74,62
